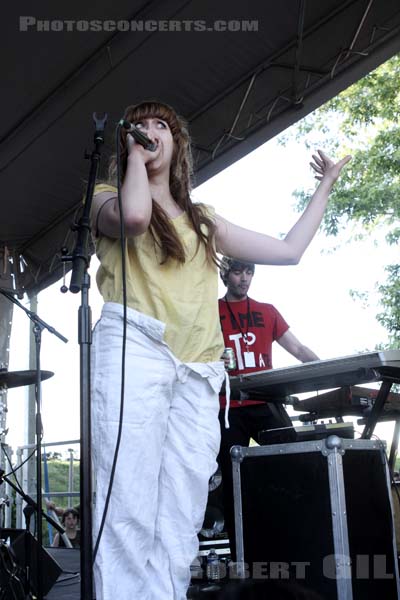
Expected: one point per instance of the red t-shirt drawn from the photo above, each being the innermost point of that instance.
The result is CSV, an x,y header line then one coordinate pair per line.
x,y
261,324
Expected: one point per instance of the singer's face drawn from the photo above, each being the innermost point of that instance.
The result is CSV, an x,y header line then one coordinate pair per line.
x,y
159,132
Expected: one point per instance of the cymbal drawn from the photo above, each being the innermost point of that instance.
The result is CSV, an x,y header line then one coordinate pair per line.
x,y
18,378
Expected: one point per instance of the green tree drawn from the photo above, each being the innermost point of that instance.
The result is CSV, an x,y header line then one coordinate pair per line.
x,y
364,121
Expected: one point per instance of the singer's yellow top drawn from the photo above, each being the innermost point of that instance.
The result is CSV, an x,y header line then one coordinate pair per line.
x,y
183,296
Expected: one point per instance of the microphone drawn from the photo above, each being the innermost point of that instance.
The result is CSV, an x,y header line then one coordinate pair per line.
x,y
139,137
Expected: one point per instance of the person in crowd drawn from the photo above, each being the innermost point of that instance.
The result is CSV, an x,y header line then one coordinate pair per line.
x,y
166,431
249,328
70,520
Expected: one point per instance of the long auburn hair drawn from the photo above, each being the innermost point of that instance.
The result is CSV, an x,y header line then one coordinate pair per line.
x,y
181,170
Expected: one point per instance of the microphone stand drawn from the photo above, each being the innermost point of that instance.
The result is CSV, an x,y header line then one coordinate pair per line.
x,y
38,326
80,282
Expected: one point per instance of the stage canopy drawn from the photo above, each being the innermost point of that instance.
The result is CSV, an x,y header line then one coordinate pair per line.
x,y
240,72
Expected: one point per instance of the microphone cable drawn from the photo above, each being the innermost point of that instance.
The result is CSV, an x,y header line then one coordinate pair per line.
x,y
123,354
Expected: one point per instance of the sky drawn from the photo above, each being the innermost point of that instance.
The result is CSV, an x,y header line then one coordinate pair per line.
x,y
313,297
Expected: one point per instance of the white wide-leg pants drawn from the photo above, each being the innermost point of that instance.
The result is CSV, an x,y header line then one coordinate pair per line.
x,y
167,454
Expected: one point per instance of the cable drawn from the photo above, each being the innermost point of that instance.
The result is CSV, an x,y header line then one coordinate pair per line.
x,y
11,588
14,470
392,481
121,412
382,442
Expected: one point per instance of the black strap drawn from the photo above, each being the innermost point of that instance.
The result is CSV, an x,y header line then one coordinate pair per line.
x,y
244,335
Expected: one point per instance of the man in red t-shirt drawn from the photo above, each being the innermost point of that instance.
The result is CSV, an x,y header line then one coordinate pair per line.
x,y
249,328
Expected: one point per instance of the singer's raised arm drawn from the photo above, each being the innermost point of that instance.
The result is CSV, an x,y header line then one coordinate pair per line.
x,y
250,246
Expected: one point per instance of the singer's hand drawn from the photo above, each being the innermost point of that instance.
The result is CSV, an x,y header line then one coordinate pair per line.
x,y
137,150
325,168
130,142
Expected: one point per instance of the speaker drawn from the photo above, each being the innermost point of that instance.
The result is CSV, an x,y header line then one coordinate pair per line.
x,y
25,550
